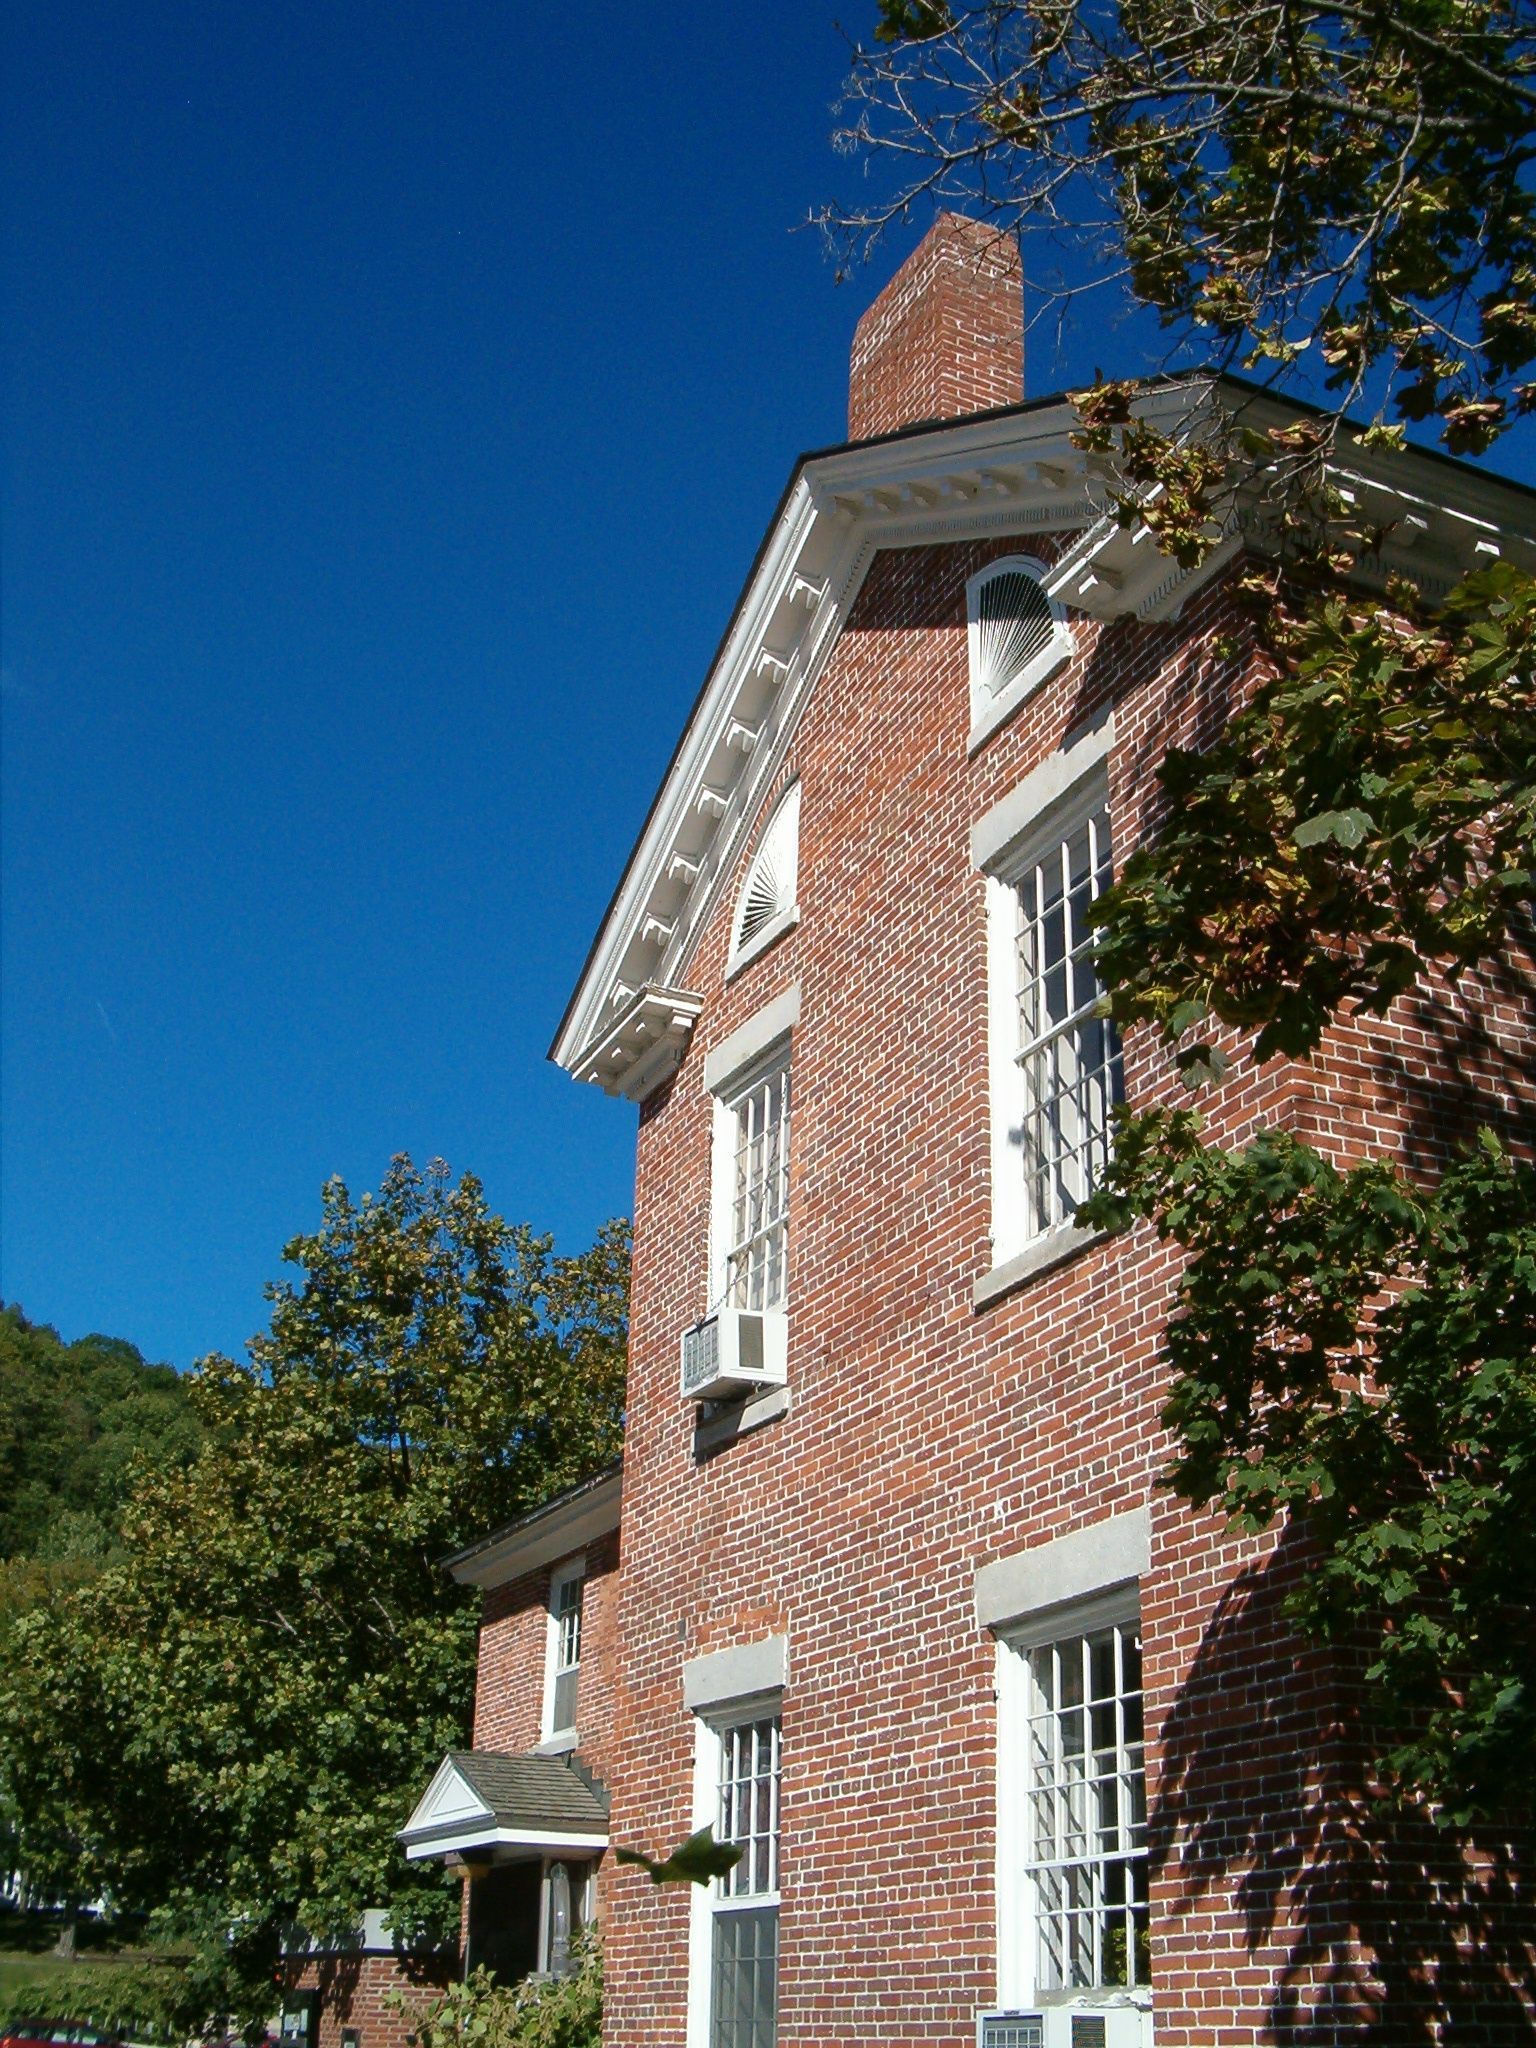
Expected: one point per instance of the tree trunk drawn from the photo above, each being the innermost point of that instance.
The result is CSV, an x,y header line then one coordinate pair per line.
x,y
65,1945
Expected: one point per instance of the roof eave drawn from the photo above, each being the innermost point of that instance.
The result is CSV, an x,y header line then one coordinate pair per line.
x,y
561,1526
839,506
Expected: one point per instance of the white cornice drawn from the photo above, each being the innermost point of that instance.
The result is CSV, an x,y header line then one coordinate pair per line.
x,y
644,1043
1000,474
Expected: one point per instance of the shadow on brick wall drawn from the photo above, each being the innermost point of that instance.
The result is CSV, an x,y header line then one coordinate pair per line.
x,y
1369,1925
1478,1063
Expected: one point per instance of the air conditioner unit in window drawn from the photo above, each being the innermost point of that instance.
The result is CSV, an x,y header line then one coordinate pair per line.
x,y
1067,2026
735,1352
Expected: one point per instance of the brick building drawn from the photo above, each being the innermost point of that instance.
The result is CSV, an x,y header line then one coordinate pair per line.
x,y
1004,1730
522,1815
524,1812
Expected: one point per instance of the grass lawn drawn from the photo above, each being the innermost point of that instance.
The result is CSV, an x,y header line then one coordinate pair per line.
x,y
30,1973
17,1971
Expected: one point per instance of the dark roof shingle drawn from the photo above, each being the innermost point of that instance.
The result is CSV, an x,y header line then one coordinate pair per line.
x,y
534,1791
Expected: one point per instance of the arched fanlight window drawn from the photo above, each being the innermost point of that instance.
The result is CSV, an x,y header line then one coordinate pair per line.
x,y
767,904
1018,636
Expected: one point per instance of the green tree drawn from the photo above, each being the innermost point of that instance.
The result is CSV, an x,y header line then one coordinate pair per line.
x,y
74,1419
1340,199
1299,184
228,1726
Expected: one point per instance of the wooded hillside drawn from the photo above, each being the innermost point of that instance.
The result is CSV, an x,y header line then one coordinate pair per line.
x,y
72,1418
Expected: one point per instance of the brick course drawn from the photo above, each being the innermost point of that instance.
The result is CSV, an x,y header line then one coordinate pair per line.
x,y
945,337
925,1439
360,1992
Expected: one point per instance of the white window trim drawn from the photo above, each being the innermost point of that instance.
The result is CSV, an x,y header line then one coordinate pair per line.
x,y
1016,1986
707,1730
568,1569
1002,846
988,713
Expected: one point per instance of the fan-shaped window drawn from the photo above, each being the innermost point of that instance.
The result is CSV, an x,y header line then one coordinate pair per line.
x,y
1018,635
766,905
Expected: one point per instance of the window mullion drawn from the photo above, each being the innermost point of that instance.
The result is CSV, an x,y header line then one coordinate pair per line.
x,y
1083,1868
1066,1055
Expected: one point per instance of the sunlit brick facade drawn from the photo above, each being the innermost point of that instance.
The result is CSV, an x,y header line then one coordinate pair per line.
x,y
880,1594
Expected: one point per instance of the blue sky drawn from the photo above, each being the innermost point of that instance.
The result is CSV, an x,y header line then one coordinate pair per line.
x,y
396,395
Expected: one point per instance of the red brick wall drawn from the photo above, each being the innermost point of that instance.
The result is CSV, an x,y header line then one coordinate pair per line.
x,y
509,1678
357,1990
514,1631
926,1438
945,337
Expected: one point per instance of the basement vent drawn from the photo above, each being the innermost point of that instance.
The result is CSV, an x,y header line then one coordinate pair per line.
x,y
766,905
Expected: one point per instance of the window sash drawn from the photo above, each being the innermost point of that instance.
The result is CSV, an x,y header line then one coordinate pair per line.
x,y
1068,1056
748,1809
565,1665
568,1624
1085,1815
744,1902
757,1260
563,1709
744,1969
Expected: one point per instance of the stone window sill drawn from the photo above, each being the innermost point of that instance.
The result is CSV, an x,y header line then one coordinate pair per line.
x,y
726,1424
1057,1246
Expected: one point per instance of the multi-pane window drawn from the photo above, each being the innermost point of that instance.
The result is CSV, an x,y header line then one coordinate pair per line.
x,y
744,1904
1084,1828
757,1257
1069,1057
565,1647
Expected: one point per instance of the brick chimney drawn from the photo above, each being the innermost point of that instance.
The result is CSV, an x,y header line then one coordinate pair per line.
x,y
945,337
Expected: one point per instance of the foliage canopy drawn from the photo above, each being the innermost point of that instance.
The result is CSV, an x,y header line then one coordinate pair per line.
x,y
1304,183
228,1726
73,1420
